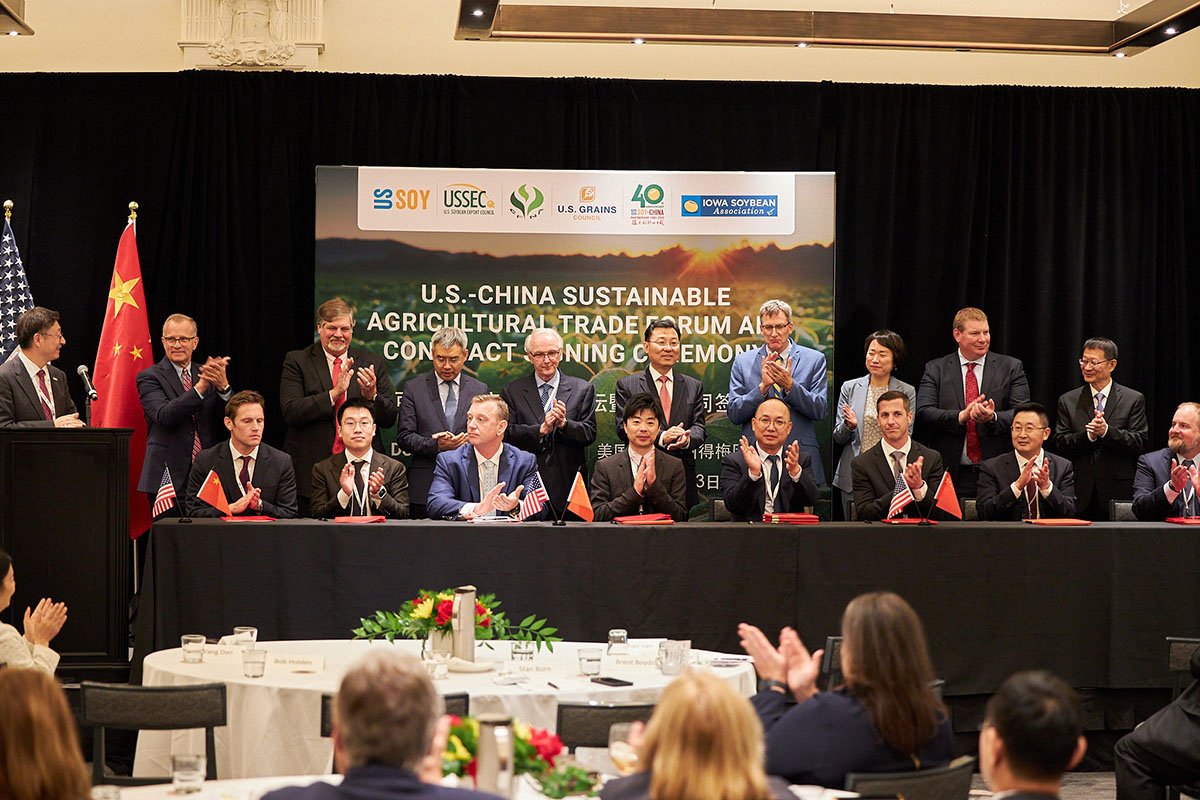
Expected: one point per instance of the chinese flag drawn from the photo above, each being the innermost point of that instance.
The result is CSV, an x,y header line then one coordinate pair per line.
x,y
946,499
214,494
124,352
578,500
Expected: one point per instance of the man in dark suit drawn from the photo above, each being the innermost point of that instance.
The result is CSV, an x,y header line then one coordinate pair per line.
x,y
680,397
433,412
965,401
552,416
642,480
359,481
470,481
388,738
318,379
875,473
1164,485
1032,733
1165,749
184,403
747,495
34,394
1102,428
1027,482
257,479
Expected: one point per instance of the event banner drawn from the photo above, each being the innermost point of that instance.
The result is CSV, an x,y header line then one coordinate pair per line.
x,y
594,254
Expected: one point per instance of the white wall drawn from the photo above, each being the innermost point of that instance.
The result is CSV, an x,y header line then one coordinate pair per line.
x,y
416,37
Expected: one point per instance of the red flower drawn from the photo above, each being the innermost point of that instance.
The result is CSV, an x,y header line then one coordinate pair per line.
x,y
547,744
445,611
454,720
482,616
471,767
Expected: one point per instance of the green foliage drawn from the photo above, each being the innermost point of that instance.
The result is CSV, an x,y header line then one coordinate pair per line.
x,y
568,779
418,617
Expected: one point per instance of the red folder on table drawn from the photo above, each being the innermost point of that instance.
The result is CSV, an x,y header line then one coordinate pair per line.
x,y
1056,521
1183,520
360,520
791,518
248,519
645,519
909,521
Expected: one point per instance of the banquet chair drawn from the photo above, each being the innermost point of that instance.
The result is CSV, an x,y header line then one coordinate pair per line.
x,y
457,704
156,708
587,724
327,715
831,662
1121,511
969,511
717,512
951,782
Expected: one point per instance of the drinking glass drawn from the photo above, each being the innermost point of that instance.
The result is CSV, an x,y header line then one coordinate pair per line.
x,y
620,751
254,662
187,772
244,635
193,648
589,661
437,664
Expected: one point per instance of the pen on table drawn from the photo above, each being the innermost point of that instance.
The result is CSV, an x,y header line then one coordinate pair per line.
x,y
551,685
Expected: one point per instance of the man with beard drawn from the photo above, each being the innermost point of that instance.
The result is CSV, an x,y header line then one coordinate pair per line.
x,y
1164,484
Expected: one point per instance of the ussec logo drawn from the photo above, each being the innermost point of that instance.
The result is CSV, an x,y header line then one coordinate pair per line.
x,y
467,198
526,202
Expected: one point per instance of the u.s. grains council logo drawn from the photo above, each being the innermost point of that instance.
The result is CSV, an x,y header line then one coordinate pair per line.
x,y
526,202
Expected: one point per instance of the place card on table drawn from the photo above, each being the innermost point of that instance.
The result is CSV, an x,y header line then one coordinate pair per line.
x,y
222,654
297,662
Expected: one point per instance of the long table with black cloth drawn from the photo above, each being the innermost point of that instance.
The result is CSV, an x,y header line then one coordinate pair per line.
x,y
1093,604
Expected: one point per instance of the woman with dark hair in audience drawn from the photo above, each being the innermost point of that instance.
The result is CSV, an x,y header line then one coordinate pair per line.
x,y
884,718
39,745
855,427
31,651
702,743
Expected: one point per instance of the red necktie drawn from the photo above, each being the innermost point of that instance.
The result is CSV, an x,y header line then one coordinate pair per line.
x,y
244,475
338,444
187,387
972,392
45,393
664,398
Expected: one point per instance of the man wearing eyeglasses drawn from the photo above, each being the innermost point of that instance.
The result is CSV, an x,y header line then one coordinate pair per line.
x,y
184,403
34,394
1027,482
785,371
552,415
1102,428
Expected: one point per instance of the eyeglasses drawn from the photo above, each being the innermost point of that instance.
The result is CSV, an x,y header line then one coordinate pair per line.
x,y
50,335
775,328
1027,429
1093,364
549,354
178,339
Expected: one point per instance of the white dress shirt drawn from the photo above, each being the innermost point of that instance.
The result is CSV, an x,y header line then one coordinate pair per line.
x,y
342,497
33,371
1038,460
919,493
237,465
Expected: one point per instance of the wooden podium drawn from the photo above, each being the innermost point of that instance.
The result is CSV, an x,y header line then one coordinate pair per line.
x,y
64,518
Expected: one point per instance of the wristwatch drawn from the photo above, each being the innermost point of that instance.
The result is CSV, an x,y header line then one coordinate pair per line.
x,y
382,492
772,684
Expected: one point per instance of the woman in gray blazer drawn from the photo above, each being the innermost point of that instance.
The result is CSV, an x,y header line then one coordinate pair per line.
x,y
855,412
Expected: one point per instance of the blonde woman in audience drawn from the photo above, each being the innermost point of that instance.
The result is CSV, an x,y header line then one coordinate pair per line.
x,y
702,743
39,745
31,651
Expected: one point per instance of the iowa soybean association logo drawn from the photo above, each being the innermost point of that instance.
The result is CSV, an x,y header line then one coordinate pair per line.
x,y
526,202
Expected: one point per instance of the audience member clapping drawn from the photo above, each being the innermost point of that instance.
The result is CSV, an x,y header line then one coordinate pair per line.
x,y
886,717
31,651
39,744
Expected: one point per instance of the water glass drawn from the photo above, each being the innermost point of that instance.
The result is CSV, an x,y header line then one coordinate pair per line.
x,y
244,635
187,773
618,642
620,750
675,656
589,661
521,650
437,664
193,648
106,792
254,662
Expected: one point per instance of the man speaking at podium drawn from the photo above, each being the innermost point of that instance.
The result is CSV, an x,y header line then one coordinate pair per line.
x,y
34,394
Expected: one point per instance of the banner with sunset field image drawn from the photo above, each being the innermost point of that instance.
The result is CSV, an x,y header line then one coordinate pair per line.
x,y
593,254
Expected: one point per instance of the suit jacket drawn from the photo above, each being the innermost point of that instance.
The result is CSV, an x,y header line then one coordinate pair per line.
x,y
854,394
562,452
327,482
613,494
1107,465
421,416
20,406
874,481
169,414
273,475
304,390
1170,736
996,500
941,397
745,499
456,479
808,401
1149,499
377,782
687,410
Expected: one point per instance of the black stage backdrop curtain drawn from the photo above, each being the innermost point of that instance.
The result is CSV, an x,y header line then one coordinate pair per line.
x,y
1064,213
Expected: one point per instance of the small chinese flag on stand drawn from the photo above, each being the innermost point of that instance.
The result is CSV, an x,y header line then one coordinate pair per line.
x,y
124,352
578,500
214,494
946,499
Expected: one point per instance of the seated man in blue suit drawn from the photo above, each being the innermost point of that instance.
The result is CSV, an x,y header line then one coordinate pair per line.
x,y
1027,482
786,371
470,481
1164,484
388,736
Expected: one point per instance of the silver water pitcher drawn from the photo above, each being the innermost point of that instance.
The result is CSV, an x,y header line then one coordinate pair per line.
x,y
495,767
462,623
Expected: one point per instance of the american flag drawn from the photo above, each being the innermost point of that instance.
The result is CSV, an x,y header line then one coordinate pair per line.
x,y
901,496
15,298
535,497
165,498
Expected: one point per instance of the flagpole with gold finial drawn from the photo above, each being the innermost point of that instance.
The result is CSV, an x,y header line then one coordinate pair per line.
x,y
133,207
8,206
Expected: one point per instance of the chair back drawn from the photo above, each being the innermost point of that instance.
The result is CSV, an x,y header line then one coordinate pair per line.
x,y
587,724
155,708
717,512
969,511
458,704
1121,511
1179,661
831,662
327,715
950,782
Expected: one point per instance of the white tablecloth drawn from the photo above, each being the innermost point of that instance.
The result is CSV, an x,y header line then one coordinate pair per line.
x,y
274,721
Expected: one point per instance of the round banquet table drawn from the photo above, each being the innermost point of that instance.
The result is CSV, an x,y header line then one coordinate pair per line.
x,y
274,721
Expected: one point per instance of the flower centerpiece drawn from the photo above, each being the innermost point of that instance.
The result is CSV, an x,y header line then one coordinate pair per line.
x,y
429,616
535,752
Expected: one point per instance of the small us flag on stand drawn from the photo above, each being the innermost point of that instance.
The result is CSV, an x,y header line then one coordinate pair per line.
x,y
15,298
901,496
165,498
535,497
